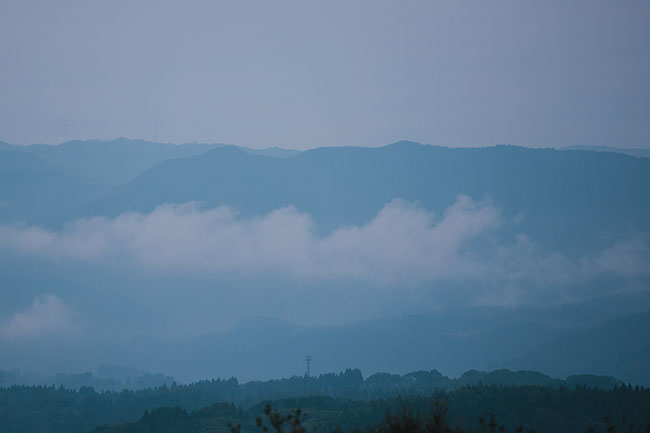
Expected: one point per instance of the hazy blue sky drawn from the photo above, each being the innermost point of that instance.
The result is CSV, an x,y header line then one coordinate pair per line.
x,y
305,73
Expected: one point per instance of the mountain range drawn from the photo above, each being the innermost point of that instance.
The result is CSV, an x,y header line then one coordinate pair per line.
x,y
566,200
571,203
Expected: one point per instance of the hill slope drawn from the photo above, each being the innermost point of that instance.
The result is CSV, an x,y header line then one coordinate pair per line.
x,y
33,189
621,347
114,161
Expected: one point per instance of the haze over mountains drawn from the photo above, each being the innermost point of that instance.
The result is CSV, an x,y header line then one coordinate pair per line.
x,y
165,258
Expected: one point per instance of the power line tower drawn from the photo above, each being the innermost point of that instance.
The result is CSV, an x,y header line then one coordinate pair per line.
x,y
308,361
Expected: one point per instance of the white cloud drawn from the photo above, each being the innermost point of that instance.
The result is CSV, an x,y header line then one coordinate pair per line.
x,y
46,316
404,245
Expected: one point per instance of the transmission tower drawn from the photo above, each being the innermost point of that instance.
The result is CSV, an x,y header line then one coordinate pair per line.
x,y
308,361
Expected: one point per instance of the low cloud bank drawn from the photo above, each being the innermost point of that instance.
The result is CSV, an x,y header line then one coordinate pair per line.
x,y
47,316
403,246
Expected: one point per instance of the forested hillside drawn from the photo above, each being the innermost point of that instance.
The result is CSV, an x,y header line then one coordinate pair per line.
x,y
477,408
57,409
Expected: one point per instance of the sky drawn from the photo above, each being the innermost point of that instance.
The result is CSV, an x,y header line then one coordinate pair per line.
x,y
302,74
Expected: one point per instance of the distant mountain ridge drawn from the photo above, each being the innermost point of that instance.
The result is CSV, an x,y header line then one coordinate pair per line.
x,y
121,159
563,198
567,199
110,161
641,152
571,202
106,378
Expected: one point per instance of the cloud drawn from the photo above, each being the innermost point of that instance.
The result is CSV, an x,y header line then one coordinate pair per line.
x,y
403,246
403,242
47,316
630,258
